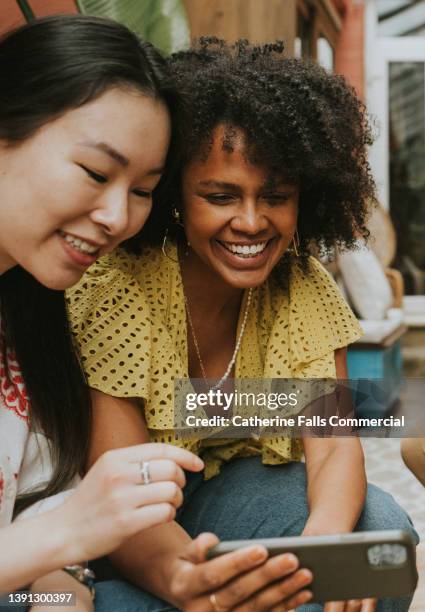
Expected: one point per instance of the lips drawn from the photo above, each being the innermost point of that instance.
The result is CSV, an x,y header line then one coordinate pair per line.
x,y
80,244
244,261
244,250
74,252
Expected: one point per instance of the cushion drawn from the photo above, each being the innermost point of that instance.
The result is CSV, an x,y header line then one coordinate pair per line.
x,y
366,283
414,310
375,332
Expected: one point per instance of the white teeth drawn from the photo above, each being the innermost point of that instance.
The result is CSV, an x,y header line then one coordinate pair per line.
x,y
80,245
245,250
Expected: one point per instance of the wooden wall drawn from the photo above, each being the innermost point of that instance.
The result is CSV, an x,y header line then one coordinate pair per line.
x,y
257,20
350,60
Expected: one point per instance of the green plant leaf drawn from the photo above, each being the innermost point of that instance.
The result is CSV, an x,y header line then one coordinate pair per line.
x,y
161,22
26,10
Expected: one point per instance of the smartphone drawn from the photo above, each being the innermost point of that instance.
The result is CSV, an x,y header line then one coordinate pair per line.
x,y
347,566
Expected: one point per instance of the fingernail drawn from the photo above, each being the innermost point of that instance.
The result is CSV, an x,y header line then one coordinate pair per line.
x,y
257,554
199,463
291,561
307,575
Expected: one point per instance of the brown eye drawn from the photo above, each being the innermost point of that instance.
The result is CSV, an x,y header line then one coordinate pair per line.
x,y
219,198
140,193
277,198
99,178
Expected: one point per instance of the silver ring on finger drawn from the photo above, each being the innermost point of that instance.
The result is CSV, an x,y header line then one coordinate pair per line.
x,y
145,474
216,606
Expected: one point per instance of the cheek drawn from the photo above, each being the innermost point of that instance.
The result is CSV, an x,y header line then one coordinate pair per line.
x,y
286,221
52,177
200,234
61,194
203,221
138,216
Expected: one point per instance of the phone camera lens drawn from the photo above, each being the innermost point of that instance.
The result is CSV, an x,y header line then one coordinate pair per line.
x,y
384,555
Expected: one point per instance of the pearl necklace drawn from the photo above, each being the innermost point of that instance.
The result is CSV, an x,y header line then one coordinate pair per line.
x,y
237,346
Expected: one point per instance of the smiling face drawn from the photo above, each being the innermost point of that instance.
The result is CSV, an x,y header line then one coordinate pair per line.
x,y
237,224
80,185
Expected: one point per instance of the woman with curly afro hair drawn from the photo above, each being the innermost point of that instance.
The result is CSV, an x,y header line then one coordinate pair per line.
x,y
221,285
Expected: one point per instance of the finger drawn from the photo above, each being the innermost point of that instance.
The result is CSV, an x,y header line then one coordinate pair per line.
x,y
146,517
158,450
294,602
124,501
155,493
369,605
165,469
354,605
194,554
196,551
334,606
281,592
291,592
243,587
159,470
215,573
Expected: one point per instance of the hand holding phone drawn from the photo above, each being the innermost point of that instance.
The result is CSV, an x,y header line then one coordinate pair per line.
x,y
347,566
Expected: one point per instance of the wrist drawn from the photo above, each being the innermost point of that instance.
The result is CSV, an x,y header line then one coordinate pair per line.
x,y
316,530
65,545
60,580
326,525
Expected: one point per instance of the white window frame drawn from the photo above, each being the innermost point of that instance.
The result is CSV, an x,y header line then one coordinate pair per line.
x,y
379,52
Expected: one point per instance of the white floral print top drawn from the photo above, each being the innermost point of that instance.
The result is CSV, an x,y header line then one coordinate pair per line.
x,y
25,462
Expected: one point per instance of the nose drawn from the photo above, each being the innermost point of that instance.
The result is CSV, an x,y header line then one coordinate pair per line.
x,y
111,212
249,219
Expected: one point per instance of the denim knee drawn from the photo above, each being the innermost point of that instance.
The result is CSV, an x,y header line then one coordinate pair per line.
x,y
314,607
114,595
382,512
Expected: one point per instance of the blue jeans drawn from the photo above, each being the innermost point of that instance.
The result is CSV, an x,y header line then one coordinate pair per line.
x,y
249,500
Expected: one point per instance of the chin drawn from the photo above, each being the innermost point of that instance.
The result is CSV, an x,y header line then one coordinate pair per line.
x,y
58,282
246,281
240,278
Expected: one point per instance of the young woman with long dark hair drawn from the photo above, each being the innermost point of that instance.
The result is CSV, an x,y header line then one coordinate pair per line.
x,y
85,111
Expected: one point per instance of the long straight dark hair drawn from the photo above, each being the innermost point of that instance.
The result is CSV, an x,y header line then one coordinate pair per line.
x,y
47,68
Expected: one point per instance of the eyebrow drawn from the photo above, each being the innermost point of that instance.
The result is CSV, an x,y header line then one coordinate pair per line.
x,y
224,185
105,148
218,184
117,156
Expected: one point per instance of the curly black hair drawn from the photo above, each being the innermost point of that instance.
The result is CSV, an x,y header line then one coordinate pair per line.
x,y
300,123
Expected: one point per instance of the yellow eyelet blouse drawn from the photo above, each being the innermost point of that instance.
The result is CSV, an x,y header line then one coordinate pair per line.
x,y
128,316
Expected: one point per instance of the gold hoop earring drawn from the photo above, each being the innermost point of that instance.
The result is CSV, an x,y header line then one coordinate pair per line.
x,y
296,243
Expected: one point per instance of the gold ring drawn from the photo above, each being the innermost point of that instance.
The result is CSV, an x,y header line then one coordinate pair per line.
x,y
216,606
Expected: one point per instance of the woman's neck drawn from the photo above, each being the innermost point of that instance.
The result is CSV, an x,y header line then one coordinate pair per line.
x,y
205,290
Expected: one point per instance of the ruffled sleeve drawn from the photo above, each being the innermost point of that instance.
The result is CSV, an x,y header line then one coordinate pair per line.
x,y
311,324
110,319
